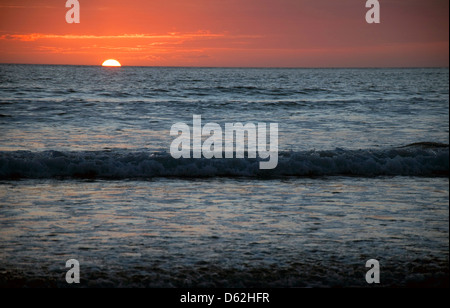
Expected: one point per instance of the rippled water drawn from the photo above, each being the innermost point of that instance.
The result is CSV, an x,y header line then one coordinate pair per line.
x,y
227,232
91,108
85,173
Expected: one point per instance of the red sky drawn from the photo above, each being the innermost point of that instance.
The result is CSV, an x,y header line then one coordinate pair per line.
x,y
261,33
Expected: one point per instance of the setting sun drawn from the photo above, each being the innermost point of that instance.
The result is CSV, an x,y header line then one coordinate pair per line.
x,y
111,62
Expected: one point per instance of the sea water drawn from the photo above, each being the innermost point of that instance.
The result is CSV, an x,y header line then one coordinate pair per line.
x,y
86,174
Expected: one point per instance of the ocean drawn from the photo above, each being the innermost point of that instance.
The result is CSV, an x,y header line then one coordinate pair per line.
x,y
86,173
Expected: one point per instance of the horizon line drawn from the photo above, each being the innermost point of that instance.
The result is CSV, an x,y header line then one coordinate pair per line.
x,y
254,67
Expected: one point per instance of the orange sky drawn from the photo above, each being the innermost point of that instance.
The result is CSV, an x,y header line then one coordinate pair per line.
x,y
262,33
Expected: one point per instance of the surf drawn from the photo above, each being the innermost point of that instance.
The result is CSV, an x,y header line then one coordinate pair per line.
x,y
430,161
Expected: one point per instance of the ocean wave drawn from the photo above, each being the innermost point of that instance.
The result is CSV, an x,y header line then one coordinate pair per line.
x,y
419,159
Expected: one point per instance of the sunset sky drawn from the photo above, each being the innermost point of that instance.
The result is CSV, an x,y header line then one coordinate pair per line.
x,y
253,33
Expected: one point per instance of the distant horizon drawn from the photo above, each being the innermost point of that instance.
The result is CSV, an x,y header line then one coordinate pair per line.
x,y
239,67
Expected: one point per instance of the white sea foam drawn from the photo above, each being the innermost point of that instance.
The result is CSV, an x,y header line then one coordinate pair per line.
x,y
121,164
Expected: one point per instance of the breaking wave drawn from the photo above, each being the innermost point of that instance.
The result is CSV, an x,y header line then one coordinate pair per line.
x,y
419,159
